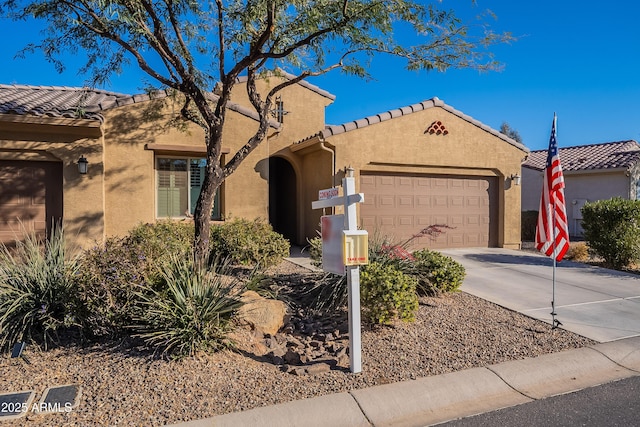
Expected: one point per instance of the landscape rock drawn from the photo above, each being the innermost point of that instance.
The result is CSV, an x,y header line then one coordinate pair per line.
x,y
318,368
264,315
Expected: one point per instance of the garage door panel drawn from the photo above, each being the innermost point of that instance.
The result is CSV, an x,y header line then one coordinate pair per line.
x,y
456,221
368,180
455,240
472,221
405,221
386,221
473,202
385,181
385,202
407,204
439,202
422,202
474,239
404,183
456,202
368,222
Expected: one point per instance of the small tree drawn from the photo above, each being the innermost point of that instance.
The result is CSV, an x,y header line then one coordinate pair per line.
x,y
612,230
191,46
510,132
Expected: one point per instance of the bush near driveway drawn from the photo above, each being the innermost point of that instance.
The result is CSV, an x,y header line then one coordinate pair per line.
x,y
437,273
386,294
612,230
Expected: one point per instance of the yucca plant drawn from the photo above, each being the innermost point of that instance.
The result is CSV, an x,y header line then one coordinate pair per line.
x,y
37,296
191,311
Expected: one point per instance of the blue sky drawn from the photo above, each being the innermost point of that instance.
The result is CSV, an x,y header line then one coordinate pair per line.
x,y
579,59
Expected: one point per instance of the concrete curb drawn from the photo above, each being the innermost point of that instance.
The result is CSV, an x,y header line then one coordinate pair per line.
x,y
433,400
339,410
441,398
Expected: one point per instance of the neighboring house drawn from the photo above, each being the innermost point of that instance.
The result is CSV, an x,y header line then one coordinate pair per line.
x,y
422,165
591,172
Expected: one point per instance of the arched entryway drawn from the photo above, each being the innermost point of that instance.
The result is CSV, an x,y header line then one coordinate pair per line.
x,y
283,198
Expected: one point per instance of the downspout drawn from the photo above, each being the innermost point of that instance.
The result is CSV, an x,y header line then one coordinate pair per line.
x,y
323,147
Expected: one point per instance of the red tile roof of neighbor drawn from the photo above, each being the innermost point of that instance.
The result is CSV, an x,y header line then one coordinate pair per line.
x,y
81,103
609,155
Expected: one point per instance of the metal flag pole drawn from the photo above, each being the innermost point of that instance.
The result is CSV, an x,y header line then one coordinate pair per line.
x,y
554,322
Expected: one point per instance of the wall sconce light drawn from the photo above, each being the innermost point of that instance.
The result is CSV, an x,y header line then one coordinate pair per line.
x,y
83,164
516,178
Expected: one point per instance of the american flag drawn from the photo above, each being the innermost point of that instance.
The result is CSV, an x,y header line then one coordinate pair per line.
x,y
552,232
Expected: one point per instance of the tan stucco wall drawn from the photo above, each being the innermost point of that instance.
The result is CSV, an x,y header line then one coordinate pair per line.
x,y
305,108
63,140
316,169
130,175
400,145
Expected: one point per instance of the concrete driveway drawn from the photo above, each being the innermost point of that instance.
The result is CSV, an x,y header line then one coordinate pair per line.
x,y
597,303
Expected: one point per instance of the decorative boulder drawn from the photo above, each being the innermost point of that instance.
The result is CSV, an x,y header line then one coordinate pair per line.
x,y
264,315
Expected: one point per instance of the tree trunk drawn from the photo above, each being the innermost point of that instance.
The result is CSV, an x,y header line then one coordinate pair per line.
x,y
202,216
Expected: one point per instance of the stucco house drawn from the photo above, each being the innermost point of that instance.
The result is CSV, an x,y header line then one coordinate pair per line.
x,y
591,172
420,165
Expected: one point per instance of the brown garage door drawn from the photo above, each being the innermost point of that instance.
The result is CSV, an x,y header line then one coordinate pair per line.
x,y
400,206
30,197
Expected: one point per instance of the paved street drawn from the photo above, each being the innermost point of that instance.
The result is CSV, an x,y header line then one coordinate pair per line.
x,y
612,404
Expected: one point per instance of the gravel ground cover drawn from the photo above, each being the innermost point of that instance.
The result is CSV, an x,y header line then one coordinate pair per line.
x,y
122,385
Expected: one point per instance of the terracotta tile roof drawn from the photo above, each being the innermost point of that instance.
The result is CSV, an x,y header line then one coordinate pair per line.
x,y
332,130
609,155
74,102
56,101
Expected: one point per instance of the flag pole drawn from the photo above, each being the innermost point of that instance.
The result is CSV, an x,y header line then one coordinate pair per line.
x,y
552,215
554,322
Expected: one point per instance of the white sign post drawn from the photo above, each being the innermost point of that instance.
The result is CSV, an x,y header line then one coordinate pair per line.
x,y
348,200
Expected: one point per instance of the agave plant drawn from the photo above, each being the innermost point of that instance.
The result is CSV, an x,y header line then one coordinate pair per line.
x,y
37,295
191,311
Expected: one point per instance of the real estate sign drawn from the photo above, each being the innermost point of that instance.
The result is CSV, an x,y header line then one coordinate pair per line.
x,y
332,256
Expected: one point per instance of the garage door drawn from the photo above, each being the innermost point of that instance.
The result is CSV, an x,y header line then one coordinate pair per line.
x,y
464,208
30,197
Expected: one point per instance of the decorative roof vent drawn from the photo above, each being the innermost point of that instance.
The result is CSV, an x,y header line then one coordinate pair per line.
x,y
437,128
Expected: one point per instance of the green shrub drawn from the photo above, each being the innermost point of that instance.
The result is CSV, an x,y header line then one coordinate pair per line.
x,y
386,294
612,230
437,273
248,243
111,276
37,291
113,273
161,240
528,223
191,313
315,251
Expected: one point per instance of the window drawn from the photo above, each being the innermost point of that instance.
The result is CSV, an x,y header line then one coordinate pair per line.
x,y
179,184
279,112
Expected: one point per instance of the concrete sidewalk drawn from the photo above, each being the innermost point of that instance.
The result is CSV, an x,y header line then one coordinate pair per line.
x,y
442,398
594,302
